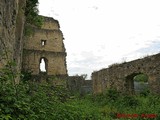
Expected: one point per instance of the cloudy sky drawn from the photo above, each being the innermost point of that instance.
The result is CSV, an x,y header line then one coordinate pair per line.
x,y
102,32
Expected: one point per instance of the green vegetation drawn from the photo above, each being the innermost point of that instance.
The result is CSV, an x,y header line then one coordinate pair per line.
x,y
32,100
113,103
141,78
41,101
32,17
28,30
31,13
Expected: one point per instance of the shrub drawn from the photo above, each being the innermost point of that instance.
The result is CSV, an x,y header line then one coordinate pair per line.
x,y
129,101
112,94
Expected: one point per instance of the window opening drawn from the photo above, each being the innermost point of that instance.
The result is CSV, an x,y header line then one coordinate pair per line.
x,y
43,42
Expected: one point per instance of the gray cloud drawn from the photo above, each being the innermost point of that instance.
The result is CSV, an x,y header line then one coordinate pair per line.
x,y
154,47
90,61
87,64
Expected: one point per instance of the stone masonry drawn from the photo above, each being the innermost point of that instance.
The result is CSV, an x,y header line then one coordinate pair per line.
x,y
45,43
27,52
77,84
120,76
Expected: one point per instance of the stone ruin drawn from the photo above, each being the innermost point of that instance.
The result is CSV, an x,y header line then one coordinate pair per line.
x,y
120,76
77,84
45,45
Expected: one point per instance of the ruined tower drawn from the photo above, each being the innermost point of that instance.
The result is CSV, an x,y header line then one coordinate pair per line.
x,y
45,45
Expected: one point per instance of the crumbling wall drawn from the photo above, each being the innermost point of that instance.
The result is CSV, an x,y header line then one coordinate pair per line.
x,y
118,75
50,24
47,43
11,31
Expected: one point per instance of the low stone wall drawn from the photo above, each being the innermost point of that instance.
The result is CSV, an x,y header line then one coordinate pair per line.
x,y
79,84
75,84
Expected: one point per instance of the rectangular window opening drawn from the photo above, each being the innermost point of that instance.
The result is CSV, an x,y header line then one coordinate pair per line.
x,y
43,42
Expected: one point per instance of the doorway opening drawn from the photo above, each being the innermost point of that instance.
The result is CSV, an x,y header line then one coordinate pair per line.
x,y
136,83
141,83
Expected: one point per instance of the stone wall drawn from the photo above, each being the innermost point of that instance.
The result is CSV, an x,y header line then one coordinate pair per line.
x,y
54,40
77,84
74,83
11,31
46,43
120,76
86,87
50,24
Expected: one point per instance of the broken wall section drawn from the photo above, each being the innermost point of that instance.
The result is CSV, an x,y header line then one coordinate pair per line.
x,y
45,43
120,76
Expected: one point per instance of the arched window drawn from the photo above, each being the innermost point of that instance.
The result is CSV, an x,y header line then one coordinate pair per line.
x,y
43,65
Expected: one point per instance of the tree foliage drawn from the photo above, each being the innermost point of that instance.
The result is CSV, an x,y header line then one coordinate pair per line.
x,y
141,78
31,13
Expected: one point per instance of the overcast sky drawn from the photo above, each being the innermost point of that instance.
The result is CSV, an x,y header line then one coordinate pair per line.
x,y
102,32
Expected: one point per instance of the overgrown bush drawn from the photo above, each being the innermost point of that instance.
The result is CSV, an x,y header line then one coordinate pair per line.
x,y
112,94
109,96
33,101
29,100
129,101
